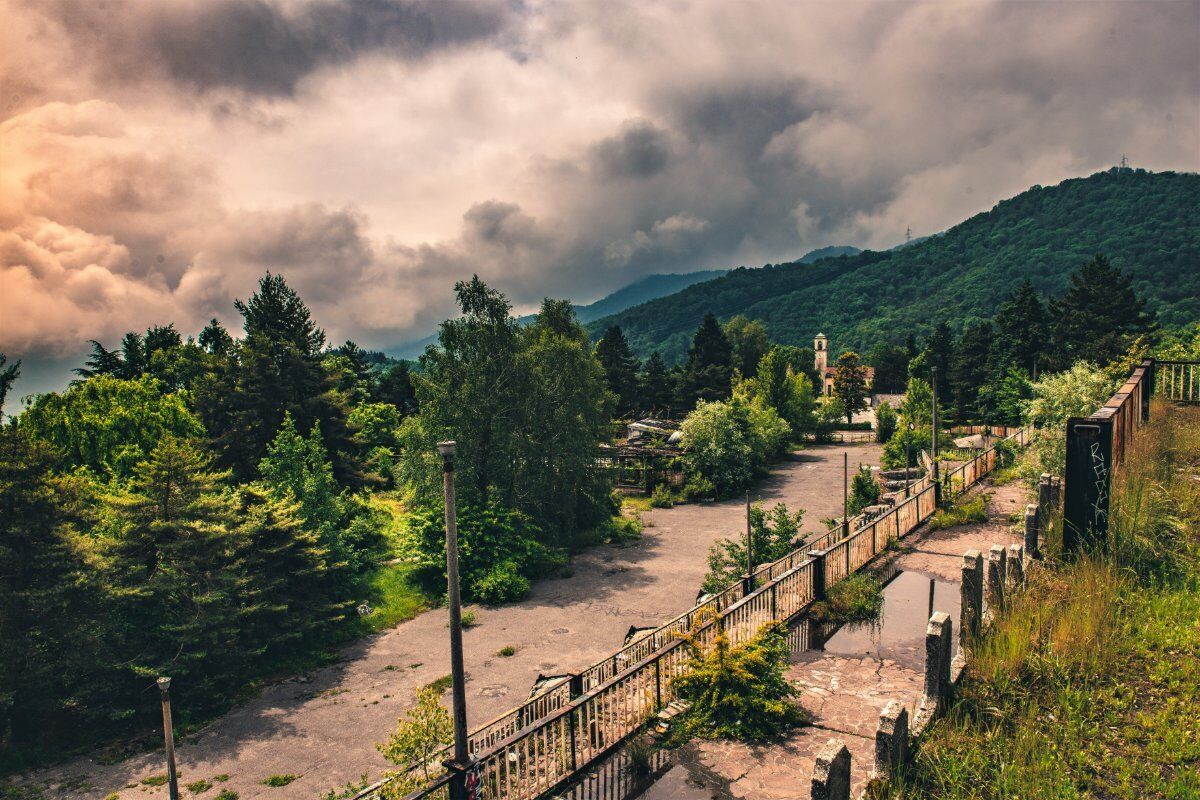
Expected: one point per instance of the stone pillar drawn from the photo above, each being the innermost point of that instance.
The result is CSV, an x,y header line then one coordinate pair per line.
x,y
1016,566
1045,500
937,658
1031,531
818,573
891,739
831,775
1055,492
996,571
971,595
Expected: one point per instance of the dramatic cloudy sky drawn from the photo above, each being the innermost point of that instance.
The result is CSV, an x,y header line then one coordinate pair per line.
x,y
157,156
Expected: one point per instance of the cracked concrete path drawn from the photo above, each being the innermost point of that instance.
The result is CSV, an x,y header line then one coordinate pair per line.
x,y
324,726
846,683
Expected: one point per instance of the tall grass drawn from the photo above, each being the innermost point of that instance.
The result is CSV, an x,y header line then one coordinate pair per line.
x,y
1085,685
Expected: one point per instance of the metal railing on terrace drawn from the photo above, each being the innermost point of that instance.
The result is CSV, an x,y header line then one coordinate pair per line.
x,y
540,745
1178,381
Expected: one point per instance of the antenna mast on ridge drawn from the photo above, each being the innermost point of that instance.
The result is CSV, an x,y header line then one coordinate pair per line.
x,y
1124,162
908,235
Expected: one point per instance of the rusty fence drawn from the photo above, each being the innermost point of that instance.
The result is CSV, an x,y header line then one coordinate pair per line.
x,y
1178,381
1096,447
539,746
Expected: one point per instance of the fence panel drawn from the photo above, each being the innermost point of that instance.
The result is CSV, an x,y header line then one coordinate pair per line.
x,y
556,736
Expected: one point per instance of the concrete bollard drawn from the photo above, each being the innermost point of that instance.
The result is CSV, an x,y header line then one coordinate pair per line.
x,y
996,575
1045,500
971,596
1016,566
1031,531
1055,492
937,658
891,740
831,775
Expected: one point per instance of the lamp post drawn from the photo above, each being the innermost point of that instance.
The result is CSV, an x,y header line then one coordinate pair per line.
x,y
164,691
845,495
461,761
908,458
934,445
749,581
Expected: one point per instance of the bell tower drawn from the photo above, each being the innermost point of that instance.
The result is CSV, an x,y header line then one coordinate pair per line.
x,y
821,353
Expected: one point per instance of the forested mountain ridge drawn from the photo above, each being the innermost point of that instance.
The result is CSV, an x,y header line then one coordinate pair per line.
x,y
1148,224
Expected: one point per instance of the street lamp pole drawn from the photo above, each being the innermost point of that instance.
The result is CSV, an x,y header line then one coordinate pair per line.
x,y
164,690
749,548
908,458
934,445
462,757
845,494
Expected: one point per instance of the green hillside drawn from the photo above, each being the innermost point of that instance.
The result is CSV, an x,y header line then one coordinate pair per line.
x,y
1146,223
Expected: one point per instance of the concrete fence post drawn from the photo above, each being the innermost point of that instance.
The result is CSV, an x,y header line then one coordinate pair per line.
x,y
831,775
818,573
996,572
1045,499
891,740
1016,566
1031,531
971,589
937,658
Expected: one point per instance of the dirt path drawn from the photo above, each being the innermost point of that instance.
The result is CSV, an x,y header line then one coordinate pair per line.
x,y
847,683
324,726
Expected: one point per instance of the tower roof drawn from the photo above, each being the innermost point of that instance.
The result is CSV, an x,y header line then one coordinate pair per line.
x,y
820,336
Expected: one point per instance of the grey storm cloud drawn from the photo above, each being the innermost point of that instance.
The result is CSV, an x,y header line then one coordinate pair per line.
x,y
627,138
639,150
262,47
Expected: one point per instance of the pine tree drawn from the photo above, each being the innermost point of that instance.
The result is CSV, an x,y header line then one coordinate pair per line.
x,y
850,384
1022,333
709,365
620,368
657,386
939,352
279,367
1099,315
395,386
8,376
288,594
969,372
891,368
174,563
215,339
50,610
748,342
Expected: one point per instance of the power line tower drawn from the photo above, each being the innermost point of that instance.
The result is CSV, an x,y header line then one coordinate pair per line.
x,y
908,235
1124,162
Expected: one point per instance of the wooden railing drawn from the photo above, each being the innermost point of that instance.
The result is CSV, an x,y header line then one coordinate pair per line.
x,y
1096,447
619,694
1178,381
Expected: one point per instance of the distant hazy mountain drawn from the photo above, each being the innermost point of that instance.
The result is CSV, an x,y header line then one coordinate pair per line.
x,y
1147,223
640,291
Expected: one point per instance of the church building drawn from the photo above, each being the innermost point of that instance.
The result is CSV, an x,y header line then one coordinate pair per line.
x,y
826,370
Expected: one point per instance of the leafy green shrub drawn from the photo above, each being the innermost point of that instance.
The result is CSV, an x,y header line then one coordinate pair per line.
x,y
1077,392
508,651
886,422
499,549
277,781
420,734
199,787
226,794
500,584
864,490
740,692
856,598
662,497
731,443
699,487
772,536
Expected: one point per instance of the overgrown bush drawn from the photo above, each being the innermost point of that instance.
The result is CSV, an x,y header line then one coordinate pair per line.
x,y
499,550
740,692
731,443
864,490
773,535
1077,392
662,497
885,422
856,598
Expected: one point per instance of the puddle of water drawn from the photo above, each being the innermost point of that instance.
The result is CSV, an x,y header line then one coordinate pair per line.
x,y
899,632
